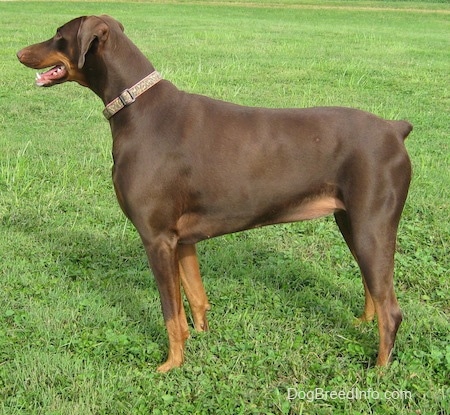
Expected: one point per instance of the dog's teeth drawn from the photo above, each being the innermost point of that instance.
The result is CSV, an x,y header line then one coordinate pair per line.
x,y
38,75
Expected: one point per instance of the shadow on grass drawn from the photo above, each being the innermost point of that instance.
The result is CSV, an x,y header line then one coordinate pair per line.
x,y
249,268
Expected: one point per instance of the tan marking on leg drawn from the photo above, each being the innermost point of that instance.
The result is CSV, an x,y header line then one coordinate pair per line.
x,y
177,338
389,319
369,308
193,285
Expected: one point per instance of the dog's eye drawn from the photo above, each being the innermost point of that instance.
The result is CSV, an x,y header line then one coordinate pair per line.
x,y
58,35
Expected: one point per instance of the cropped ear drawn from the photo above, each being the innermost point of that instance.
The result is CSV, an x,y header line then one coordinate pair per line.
x,y
91,28
111,21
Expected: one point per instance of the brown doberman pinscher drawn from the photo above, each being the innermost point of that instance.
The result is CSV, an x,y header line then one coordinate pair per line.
x,y
188,168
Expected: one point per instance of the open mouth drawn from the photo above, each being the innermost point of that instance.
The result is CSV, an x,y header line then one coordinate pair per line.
x,y
52,76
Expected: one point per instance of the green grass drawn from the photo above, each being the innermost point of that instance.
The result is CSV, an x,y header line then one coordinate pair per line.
x,y
81,330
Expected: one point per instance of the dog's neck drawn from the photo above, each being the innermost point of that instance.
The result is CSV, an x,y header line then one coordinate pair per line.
x,y
117,75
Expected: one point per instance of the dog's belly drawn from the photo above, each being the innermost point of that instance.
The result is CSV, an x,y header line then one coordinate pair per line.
x,y
194,227
312,209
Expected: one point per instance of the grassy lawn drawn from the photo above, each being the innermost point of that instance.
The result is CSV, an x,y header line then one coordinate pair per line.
x,y
81,330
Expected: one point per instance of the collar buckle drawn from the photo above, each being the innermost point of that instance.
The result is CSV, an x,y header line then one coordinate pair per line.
x,y
127,97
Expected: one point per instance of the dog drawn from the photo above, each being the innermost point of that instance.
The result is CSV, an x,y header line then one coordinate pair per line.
x,y
188,168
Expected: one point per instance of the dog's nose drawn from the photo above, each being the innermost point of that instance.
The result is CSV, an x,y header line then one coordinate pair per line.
x,y
20,54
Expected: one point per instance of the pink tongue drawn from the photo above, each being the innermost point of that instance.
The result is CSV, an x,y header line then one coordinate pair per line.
x,y
55,73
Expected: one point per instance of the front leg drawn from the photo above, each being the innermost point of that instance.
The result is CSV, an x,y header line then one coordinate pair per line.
x,y
193,285
163,259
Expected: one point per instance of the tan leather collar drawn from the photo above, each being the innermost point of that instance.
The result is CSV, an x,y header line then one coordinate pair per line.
x,y
128,96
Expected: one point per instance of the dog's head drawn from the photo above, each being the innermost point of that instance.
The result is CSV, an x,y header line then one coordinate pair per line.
x,y
68,50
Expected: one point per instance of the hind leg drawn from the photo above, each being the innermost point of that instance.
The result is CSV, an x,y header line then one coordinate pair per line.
x,y
344,227
375,255
372,242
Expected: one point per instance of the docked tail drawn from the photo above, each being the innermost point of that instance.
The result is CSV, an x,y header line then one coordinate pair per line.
x,y
403,128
